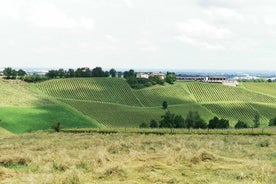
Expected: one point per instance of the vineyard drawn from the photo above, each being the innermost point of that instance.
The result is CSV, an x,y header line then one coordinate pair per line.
x,y
110,102
113,103
173,94
112,115
206,92
261,87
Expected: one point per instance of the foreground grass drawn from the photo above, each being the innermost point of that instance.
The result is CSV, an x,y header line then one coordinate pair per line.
x,y
137,158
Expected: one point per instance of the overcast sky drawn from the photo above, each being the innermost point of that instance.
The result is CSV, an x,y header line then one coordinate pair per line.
x,y
160,34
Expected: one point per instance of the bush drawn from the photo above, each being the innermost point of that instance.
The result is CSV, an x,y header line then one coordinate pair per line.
x,y
154,124
144,125
241,124
272,122
218,123
57,127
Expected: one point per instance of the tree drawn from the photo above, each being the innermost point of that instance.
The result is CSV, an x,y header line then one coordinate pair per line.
x,y
218,123
193,120
167,120
241,124
154,124
112,72
272,122
165,104
170,78
179,121
21,73
129,73
52,74
213,123
70,73
98,72
256,120
9,73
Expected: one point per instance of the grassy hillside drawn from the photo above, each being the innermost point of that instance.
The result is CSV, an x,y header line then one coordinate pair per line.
x,y
114,115
108,90
114,104
22,109
19,120
261,87
206,92
19,94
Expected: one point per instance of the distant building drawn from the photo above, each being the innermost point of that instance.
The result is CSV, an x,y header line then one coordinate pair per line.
x,y
147,75
142,75
215,79
189,78
160,74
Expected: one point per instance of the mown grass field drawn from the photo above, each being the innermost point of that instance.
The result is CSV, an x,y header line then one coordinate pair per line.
x,y
136,158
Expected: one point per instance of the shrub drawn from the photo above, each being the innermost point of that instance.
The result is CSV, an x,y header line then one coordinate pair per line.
x,y
57,127
144,125
272,122
241,124
154,124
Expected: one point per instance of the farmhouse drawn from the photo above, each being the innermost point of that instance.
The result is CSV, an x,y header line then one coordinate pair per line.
x,y
142,75
147,75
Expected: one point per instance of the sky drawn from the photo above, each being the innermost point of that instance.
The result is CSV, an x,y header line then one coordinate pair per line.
x,y
139,34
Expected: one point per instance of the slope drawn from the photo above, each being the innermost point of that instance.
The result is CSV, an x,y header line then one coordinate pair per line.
x,y
22,109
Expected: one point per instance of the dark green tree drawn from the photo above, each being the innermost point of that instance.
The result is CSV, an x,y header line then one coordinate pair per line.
x,y
170,78
164,104
167,120
21,73
179,121
98,72
9,73
193,120
129,73
218,123
272,122
241,124
112,72
52,74
154,124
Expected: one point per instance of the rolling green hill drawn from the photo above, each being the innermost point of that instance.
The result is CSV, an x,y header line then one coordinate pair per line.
x,y
22,109
110,102
114,104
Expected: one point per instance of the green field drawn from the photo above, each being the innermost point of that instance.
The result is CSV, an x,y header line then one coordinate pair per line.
x,y
110,102
23,109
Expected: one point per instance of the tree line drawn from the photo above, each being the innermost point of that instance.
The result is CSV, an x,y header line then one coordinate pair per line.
x,y
194,121
130,76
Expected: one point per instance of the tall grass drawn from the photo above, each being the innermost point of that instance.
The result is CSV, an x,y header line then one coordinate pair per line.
x,y
137,158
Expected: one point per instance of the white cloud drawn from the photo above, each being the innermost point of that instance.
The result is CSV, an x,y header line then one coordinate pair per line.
x,y
128,3
270,20
201,34
221,13
46,15
10,9
146,45
110,38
